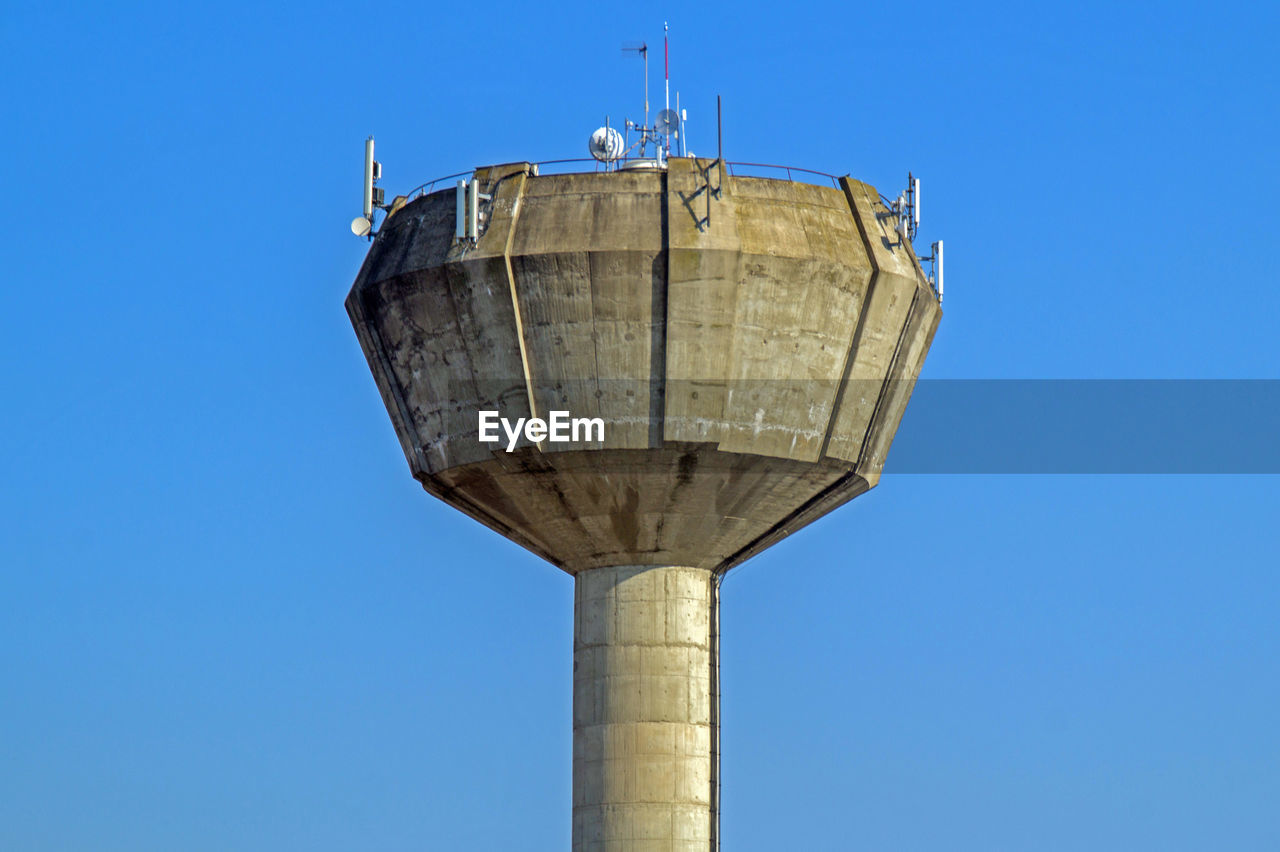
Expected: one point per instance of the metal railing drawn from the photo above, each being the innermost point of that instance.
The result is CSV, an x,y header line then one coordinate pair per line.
x,y
734,169
425,189
834,179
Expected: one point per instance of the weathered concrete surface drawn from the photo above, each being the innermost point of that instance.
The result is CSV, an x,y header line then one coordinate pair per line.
x,y
781,328
893,335
751,355
643,770
751,370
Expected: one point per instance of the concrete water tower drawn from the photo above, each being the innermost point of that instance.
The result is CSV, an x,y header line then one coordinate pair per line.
x,y
748,345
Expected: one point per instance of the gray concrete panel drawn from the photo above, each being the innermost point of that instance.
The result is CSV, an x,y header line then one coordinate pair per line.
x,y
887,338
916,337
704,259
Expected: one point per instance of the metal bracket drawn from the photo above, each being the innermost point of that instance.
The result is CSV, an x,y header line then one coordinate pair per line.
x,y
713,192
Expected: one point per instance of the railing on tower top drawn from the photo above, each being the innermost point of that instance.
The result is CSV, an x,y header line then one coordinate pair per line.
x,y
735,169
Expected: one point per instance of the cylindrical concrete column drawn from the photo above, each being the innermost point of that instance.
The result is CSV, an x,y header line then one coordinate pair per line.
x,y
642,709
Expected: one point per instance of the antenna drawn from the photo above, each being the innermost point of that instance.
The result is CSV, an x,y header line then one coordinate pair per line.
x,y
362,225
666,80
901,209
908,206
915,204
467,211
368,178
473,212
935,275
606,144
460,229
668,122
937,253
684,116
643,50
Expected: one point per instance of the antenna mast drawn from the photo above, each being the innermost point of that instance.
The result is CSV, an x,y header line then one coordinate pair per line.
x,y
666,80
643,50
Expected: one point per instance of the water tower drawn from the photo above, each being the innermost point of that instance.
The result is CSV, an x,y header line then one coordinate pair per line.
x,y
747,346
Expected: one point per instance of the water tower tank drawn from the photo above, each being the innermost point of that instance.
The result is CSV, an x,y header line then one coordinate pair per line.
x,y
749,346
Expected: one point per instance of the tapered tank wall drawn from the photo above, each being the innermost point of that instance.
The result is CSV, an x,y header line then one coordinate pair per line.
x,y
750,355
749,345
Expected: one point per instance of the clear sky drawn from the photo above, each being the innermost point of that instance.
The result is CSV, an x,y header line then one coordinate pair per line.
x,y
229,619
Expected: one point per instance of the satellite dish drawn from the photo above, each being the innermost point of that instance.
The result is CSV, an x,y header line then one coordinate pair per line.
x,y
668,121
361,226
606,144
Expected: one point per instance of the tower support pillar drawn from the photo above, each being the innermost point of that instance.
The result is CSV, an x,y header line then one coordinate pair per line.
x,y
644,737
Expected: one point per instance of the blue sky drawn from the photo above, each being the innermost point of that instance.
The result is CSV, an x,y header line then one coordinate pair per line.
x,y
230,620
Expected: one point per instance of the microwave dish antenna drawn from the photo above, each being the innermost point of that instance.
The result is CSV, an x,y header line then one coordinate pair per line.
x,y
606,145
668,121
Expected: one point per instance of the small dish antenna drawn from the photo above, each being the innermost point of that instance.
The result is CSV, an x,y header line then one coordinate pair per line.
x,y
668,121
360,226
606,145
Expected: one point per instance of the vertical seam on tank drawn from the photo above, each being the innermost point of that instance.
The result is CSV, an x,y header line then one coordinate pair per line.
x,y
515,299
595,335
721,433
876,413
897,347
658,347
851,355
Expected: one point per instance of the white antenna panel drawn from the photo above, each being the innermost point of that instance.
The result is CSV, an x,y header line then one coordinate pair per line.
x,y
368,178
937,252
